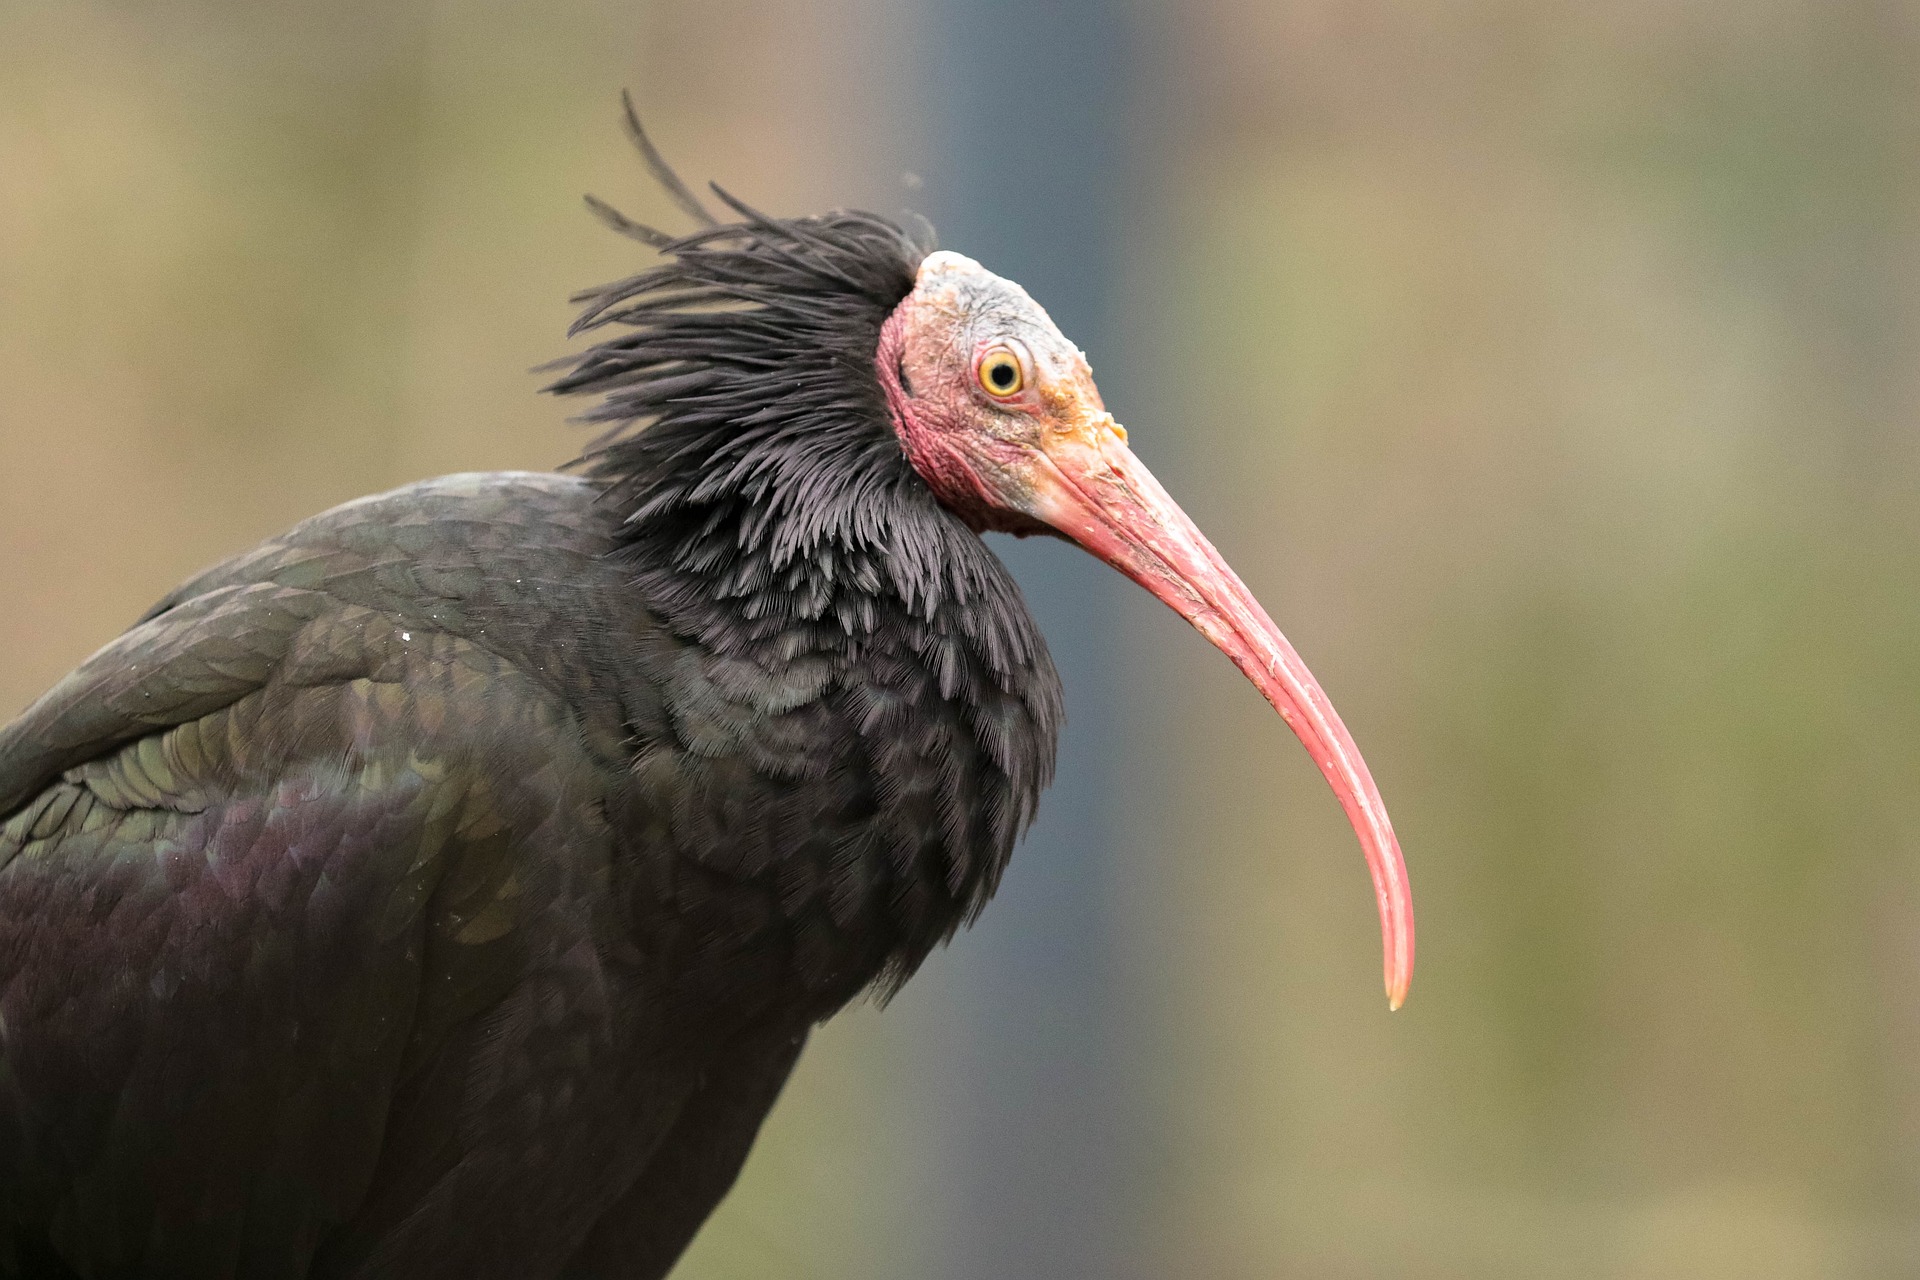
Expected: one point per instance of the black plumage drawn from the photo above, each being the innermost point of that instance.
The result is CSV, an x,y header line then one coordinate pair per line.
x,y
447,886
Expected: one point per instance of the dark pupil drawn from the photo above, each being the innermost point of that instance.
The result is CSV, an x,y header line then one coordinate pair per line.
x,y
1002,374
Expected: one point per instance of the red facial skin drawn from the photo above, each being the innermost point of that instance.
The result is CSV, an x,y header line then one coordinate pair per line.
x,y
1047,457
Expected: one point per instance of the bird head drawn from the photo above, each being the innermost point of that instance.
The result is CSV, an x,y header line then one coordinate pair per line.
x,y
998,413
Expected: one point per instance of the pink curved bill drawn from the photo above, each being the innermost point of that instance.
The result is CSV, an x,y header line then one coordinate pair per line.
x,y
1099,494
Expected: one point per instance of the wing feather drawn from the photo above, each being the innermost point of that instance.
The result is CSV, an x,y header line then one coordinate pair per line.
x,y
260,859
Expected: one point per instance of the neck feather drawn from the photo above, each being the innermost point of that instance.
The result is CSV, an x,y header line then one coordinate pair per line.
x,y
769,515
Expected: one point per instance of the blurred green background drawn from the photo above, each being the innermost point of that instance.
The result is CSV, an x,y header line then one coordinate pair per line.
x,y
1549,368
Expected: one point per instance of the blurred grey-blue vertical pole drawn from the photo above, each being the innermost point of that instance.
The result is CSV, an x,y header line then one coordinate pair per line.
x,y
1026,171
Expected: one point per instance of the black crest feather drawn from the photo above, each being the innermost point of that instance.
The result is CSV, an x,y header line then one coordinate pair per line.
x,y
742,365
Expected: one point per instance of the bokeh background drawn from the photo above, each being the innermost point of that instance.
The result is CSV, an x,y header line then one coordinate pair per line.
x,y
1550,367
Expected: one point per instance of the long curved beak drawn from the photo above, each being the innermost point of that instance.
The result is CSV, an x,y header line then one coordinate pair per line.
x,y
1090,487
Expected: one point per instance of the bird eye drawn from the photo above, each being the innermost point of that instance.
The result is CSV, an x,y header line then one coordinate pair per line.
x,y
1000,373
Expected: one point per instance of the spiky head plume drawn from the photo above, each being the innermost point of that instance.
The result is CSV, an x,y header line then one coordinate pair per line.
x,y
743,367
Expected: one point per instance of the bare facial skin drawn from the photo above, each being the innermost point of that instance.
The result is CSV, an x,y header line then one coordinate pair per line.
x,y
999,413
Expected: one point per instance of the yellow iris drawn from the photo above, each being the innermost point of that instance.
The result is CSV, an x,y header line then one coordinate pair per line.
x,y
1000,373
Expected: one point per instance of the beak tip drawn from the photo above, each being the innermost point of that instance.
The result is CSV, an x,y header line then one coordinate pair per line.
x,y
1399,978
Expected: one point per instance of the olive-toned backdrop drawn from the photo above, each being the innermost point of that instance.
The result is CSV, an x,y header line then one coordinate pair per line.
x,y
1551,369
